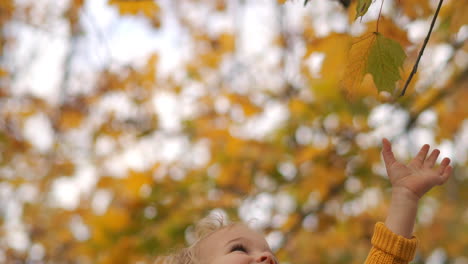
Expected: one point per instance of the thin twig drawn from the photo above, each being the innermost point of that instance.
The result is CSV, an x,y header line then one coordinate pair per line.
x,y
415,67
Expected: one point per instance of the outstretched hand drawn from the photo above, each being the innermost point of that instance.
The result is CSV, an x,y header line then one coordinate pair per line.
x,y
419,175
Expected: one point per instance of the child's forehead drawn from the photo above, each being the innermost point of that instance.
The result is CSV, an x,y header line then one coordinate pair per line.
x,y
241,230
236,232
226,237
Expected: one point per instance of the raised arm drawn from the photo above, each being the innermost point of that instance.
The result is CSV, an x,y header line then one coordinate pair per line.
x,y
393,241
409,183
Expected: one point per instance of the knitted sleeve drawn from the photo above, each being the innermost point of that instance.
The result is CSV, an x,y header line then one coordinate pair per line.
x,y
388,247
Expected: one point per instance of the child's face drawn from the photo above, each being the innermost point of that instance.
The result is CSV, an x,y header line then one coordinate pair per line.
x,y
237,244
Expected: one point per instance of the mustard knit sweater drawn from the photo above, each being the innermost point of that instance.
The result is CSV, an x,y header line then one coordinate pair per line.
x,y
390,248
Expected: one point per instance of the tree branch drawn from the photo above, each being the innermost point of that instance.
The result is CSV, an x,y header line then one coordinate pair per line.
x,y
415,67
462,77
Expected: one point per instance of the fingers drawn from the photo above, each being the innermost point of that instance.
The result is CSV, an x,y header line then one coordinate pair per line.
x,y
421,156
443,165
444,170
431,160
446,174
387,153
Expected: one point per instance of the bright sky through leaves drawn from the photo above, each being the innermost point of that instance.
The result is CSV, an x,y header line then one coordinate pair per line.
x,y
124,123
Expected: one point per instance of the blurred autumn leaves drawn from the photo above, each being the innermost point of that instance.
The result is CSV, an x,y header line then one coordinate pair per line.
x,y
149,9
254,111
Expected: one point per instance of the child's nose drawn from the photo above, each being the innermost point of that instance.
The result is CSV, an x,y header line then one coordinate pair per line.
x,y
266,258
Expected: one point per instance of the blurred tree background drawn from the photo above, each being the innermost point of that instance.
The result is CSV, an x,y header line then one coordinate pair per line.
x,y
122,123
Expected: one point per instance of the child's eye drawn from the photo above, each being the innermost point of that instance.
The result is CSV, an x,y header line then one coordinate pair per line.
x,y
238,247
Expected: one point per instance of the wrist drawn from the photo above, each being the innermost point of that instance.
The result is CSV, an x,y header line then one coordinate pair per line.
x,y
402,212
404,195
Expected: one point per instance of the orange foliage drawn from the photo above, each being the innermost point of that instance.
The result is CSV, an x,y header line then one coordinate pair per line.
x,y
148,183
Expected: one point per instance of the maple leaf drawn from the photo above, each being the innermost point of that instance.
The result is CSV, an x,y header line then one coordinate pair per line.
x,y
385,59
375,54
362,7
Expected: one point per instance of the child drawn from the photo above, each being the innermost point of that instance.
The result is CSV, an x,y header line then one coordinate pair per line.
x,y
392,242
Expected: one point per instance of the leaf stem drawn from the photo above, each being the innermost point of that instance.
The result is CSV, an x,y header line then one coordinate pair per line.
x,y
380,13
415,67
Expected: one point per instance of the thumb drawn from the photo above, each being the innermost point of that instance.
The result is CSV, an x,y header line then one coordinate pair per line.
x,y
387,153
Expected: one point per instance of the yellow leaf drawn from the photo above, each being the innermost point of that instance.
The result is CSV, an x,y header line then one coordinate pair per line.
x,y
220,5
367,87
352,12
459,17
193,71
389,29
290,222
147,77
235,176
248,107
309,31
307,154
115,219
226,42
62,167
234,146
375,54
320,179
210,59
357,63
7,8
416,9
131,185
298,107
279,41
99,236
148,8
335,49
452,113
70,118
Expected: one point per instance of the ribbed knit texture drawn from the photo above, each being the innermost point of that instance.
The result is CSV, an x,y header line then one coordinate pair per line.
x,y
390,248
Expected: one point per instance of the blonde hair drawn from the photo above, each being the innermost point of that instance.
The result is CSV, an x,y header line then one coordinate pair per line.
x,y
203,229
